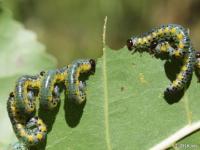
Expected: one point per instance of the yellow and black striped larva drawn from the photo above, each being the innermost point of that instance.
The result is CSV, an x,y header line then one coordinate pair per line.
x,y
171,39
50,87
185,74
21,104
25,91
76,88
29,130
174,41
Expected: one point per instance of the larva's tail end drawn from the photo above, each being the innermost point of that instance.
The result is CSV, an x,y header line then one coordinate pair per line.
x,y
173,95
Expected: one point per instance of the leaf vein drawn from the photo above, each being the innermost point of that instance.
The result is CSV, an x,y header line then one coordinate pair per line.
x,y
187,109
104,71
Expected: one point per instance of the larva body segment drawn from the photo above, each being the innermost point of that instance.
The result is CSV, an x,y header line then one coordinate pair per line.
x,y
185,73
29,132
50,91
76,88
24,93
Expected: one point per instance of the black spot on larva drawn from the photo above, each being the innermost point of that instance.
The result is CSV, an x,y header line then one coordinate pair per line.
x,y
153,45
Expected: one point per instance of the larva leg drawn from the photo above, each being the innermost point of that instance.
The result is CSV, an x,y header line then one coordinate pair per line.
x,y
74,87
19,146
164,47
82,86
25,101
29,133
50,91
184,75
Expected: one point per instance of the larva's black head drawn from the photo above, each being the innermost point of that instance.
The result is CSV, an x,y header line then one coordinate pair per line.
x,y
11,94
42,73
197,54
93,65
129,44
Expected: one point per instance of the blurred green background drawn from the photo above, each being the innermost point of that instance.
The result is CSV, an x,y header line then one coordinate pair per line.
x,y
73,29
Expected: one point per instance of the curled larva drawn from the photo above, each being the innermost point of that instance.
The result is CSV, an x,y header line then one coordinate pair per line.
x,y
25,89
184,75
50,90
74,86
29,130
174,41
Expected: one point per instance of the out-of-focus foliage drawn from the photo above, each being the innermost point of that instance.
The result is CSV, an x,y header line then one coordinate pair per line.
x,y
72,29
20,54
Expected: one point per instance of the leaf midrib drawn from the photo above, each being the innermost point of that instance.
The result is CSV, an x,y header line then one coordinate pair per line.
x,y
105,94
106,117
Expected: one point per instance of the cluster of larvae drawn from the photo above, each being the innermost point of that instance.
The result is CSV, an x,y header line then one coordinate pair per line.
x,y
47,87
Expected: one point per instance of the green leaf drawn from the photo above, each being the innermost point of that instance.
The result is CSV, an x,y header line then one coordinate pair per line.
x,y
125,108
20,53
